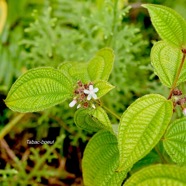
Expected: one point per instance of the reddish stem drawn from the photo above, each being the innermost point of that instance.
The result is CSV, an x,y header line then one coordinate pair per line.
x,y
178,74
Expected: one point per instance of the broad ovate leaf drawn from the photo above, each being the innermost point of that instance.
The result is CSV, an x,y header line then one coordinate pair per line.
x,y
141,127
104,87
92,119
100,161
163,175
76,70
100,66
39,89
175,141
3,14
166,61
169,24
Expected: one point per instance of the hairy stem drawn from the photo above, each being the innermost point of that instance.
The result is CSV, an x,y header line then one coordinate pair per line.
x,y
163,160
111,112
108,110
177,75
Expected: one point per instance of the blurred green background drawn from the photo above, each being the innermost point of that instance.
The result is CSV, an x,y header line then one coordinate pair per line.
x,y
47,33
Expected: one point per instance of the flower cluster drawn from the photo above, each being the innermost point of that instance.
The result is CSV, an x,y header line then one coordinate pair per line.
x,y
83,95
179,100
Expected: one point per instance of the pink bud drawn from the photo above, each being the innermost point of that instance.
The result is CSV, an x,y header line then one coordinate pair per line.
x,y
184,111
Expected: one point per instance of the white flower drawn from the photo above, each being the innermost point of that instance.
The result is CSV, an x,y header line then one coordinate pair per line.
x,y
72,103
184,111
91,92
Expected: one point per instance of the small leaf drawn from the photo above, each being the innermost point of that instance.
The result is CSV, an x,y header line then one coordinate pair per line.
x,y
175,141
163,175
166,61
104,87
169,24
92,119
100,161
141,127
3,14
76,70
100,66
39,89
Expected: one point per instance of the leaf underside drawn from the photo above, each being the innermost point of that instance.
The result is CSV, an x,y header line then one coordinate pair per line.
x,y
92,119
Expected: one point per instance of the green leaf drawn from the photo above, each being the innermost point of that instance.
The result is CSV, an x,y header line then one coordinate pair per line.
x,y
141,127
100,66
163,175
166,61
92,119
104,87
76,70
39,89
169,24
100,161
151,158
175,141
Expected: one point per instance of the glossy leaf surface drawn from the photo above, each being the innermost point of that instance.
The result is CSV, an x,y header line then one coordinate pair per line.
x,y
39,89
141,127
166,61
169,24
100,161
100,66
175,141
163,175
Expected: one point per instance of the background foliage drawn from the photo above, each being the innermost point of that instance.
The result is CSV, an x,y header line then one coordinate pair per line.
x,y
49,32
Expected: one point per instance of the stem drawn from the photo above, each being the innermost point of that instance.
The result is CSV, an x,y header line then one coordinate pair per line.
x,y
10,125
107,109
111,112
177,75
160,155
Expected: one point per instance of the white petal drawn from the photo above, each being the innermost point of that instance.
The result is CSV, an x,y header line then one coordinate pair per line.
x,y
89,97
91,87
86,91
94,96
72,103
79,106
93,106
96,89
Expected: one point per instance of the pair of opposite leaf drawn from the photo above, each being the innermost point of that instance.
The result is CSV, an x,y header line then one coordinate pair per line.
x,y
143,124
41,88
166,55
